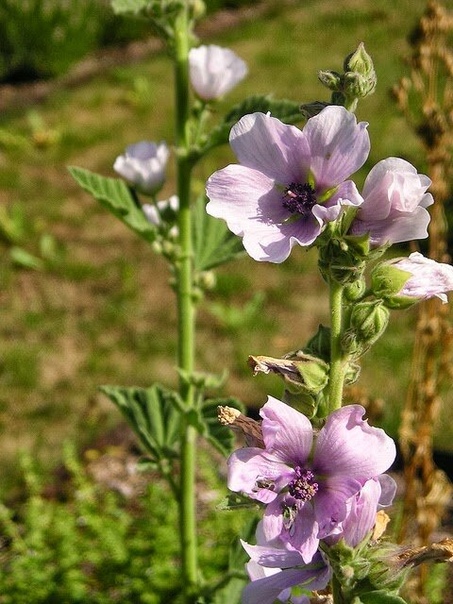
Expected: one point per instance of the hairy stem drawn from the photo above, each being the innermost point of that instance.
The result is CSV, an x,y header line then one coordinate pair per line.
x,y
186,312
337,362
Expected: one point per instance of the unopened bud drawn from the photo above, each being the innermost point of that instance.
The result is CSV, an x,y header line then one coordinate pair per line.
x,y
369,321
360,77
330,79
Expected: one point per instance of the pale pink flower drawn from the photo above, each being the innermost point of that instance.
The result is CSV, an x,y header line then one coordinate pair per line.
x,y
395,202
306,483
143,165
289,182
428,278
214,71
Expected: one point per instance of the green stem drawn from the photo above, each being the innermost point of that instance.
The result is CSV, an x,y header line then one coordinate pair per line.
x,y
337,362
337,594
186,313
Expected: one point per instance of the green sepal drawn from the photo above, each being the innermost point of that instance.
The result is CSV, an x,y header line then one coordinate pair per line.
x,y
319,344
285,110
303,402
154,415
387,281
213,243
114,194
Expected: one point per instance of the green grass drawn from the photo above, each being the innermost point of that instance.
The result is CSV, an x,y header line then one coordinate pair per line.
x,y
103,310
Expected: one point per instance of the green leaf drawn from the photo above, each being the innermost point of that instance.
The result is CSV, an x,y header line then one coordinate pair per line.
x,y
115,195
236,501
154,416
22,258
221,437
286,111
120,7
214,244
380,596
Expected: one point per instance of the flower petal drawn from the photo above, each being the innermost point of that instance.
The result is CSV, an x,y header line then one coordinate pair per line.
x,y
266,144
251,467
301,533
347,446
338,145
331,502
396,228
272,557
362,513
286,432
268,589
388,490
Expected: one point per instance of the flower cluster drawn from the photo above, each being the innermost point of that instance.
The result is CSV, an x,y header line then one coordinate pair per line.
x,y
327,486
290,184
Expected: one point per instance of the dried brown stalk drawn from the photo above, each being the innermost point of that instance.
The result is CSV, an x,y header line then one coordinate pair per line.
x,y
427,101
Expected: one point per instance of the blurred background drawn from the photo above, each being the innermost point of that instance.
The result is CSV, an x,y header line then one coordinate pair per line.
x,y
83,302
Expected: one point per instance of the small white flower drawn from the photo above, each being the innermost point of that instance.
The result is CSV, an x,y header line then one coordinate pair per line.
x,y
143,165
157,213
154,211
214,71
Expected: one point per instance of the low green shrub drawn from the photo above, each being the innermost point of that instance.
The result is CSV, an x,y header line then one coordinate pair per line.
x,y
86,543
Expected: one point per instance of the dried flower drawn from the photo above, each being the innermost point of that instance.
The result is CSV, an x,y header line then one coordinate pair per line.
x,y
289,182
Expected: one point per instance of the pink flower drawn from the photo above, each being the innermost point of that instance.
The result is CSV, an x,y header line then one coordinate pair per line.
x,y
214,71
307,486
289,182
395,202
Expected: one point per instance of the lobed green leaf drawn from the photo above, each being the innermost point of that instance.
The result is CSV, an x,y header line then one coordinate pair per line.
x,y
154,416
115,195
214,244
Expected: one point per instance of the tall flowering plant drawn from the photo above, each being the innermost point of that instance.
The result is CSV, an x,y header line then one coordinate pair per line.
x,y
313,467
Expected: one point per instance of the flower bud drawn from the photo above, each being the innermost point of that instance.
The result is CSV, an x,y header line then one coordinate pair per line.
x,y
301,373
360,77
214,71
330,79
402,282
368,322
143,165
355,290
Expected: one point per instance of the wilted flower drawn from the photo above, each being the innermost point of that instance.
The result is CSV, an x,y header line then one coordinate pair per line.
x,y
395,202
307,485
290,182
274,569
404,281
214,71
143,165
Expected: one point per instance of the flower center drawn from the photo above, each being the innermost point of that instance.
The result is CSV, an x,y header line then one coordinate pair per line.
x,y
303,486
299,198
